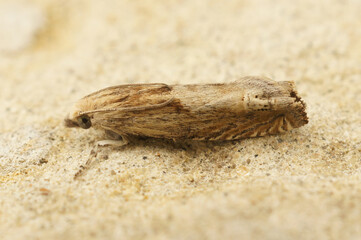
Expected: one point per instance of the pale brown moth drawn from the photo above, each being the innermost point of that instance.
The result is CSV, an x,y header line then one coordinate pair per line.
x,y
247,107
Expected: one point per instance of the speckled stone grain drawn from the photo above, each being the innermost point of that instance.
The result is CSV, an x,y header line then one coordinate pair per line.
x,y
305,184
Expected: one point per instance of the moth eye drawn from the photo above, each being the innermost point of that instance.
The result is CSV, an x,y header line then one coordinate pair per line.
x,y
84,122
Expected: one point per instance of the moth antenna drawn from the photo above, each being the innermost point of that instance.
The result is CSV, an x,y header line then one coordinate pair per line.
x,y
130,109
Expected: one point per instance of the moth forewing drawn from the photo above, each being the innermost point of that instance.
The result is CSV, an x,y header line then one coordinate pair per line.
x,y
248,107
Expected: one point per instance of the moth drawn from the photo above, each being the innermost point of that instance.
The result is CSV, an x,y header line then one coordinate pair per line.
x,y
248,107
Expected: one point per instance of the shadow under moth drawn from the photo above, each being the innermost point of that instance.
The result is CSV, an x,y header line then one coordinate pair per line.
x,y
247,107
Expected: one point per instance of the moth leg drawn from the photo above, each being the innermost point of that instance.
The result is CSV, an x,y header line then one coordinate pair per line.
x,y
94,152
114,139
114,143
92,156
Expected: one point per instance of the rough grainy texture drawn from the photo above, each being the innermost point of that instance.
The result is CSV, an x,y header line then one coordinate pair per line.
x,y
305,184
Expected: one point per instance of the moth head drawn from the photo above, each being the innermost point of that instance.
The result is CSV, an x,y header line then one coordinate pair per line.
x,y
82,120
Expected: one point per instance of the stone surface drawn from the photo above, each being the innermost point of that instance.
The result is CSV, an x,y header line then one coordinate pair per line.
x,y
305,184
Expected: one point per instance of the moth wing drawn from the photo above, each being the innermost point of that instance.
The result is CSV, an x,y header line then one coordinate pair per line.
x,y
131,97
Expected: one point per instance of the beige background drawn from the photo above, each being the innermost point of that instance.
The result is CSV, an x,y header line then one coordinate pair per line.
x,y
305,184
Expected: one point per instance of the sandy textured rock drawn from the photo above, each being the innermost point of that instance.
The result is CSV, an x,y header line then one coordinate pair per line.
x,y
305,184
